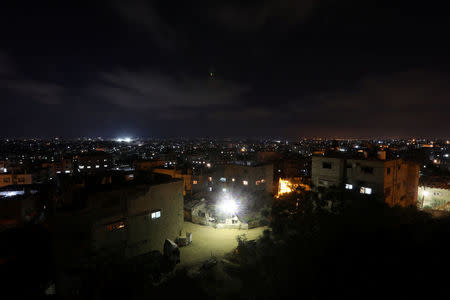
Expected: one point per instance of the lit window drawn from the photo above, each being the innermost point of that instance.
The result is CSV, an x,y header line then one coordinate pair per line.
x,y
209,179
263,180
348,186
224,190
194,182
210,188
58,172
88,167
365,190
156,214
105,166
245,182
67,171
258,182
115,226
97,166
223,179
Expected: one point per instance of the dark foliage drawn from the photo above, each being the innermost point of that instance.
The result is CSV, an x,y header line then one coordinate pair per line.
x,y
333,246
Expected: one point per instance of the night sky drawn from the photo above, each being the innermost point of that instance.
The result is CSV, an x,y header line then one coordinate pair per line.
x,y
225,68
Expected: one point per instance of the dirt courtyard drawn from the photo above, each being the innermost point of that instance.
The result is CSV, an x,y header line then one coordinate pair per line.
x,y
207,241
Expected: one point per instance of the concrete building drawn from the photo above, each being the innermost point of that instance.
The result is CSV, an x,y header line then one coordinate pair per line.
x,y
250,179
93,161
129,220
12,179
393,180
61,167
434,193
191,183
147,165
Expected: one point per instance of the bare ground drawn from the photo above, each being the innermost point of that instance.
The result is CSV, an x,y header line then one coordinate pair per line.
x,y
208,241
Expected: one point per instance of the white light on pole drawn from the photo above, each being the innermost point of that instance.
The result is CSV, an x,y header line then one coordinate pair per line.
x,y
228,205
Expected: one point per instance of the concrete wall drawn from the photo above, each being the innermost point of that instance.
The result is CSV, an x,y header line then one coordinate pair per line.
x,y
435,198
327,177
9,179
394,181
144,233
259,178
187,178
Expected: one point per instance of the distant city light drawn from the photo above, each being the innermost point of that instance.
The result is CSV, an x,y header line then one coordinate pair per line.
x,y
126,140
11,193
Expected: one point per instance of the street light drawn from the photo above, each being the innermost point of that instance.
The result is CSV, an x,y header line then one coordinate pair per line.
x,y
228,205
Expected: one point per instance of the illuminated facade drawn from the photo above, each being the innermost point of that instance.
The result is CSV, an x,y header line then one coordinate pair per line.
x,y
12,179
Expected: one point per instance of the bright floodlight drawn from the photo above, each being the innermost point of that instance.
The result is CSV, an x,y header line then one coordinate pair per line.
x,y
228,206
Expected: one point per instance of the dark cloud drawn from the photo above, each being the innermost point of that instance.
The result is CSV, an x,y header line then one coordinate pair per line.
x,y
6,65
141,90
390,105
43,92
253,15
142,13
16,85
292,68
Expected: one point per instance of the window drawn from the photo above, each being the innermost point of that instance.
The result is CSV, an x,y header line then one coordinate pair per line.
x,y
326,165
365,190
349,186
223,179
388,171
224,190
22,179
115,226
387,191
367,170
232,179
323,182
263,180
209,179
156,214
258,182
245,182
210,188
6,179
194,181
